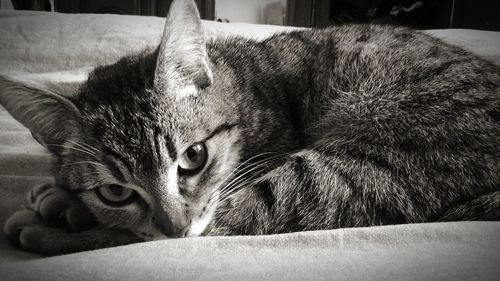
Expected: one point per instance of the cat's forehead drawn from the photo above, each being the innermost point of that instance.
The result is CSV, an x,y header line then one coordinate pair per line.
x,y
126,89
124,112
122,108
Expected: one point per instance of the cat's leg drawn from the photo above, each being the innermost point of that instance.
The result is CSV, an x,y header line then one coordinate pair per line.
x,y
55,207
55,222
316,190
39,238
485,208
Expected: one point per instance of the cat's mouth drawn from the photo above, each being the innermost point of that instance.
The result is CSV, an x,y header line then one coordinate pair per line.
x,y
199,225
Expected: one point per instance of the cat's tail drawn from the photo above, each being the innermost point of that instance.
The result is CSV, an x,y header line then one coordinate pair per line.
x,y
485,208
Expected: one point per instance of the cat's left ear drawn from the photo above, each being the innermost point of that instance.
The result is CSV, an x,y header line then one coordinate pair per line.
x,y
183,66
51,118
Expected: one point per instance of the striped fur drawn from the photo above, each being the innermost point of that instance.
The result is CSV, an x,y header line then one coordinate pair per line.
x,y
348,126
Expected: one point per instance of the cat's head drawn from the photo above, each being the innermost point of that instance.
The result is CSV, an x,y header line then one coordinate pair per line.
x,y
151,142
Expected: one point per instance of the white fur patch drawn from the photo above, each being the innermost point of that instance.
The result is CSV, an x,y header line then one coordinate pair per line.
x,y
200,224
186,91
172,178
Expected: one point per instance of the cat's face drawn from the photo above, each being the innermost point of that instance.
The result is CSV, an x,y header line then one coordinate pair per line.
x,y
151,143
157,138
162,167
150,161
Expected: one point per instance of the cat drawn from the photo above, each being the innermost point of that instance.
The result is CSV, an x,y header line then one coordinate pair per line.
x,y
347,126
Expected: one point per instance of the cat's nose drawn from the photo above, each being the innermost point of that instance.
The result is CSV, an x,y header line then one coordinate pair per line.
x,y
182,233
177,232
172,226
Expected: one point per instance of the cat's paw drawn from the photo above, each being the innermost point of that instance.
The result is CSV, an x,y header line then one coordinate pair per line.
x,y
26,229
58,207
55,222
50,206
17,222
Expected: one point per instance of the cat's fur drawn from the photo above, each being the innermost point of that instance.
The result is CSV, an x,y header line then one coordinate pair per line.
x,y
353,125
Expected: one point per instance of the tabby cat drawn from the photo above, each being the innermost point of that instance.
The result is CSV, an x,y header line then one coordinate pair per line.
x,y
348,126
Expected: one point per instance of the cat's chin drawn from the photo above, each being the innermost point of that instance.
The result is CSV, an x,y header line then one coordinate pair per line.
x,y
159,237
200,226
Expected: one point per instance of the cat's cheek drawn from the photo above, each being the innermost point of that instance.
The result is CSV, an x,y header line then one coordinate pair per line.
x,y
130,216
149,232
226,149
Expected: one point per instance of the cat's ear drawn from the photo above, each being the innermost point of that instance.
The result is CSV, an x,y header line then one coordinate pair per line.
x,y
51,118
182,67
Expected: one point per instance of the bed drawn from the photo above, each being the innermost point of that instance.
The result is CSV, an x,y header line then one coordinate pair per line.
x,y
58,50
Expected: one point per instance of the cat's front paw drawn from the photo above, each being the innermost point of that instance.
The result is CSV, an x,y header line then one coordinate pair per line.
x,y
26,229
47,206
17,222
22,229
51,206
55,222
58,207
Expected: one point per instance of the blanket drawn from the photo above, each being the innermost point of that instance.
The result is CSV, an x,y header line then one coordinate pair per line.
x,y
59,50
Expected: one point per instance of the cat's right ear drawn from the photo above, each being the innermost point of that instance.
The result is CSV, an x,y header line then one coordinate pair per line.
x,y
51,118
182,66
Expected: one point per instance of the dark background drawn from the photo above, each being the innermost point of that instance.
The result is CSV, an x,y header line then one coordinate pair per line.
x,y
477,14
430,14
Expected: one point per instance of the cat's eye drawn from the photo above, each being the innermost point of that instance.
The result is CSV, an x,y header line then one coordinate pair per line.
x,y
116,195
193,159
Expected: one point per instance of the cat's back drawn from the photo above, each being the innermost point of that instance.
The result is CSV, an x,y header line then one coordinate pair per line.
x,y
364,76
359,57
362,50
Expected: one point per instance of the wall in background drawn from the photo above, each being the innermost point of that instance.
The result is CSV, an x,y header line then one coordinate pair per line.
x,y
6,4
247,11
121,7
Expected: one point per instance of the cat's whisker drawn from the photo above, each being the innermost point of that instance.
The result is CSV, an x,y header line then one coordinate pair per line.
x,y
236,170
242,177
248,161
235,190
83,162
235,186
236,181
251,168
247,164
248,169
92,150
90,147
76,149
82,147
